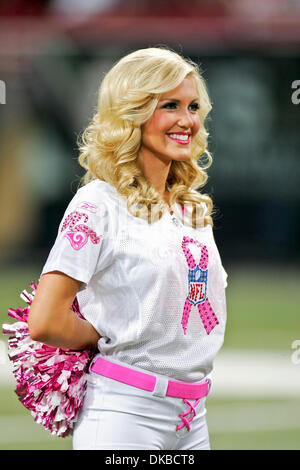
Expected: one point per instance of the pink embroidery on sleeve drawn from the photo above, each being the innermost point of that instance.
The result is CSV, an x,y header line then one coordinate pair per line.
x,y
78,235
197,285
77,239
88,206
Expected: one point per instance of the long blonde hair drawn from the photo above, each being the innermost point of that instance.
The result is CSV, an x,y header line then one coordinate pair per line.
x,y
109,146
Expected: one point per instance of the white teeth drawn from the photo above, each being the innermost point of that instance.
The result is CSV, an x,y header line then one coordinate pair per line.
x,y
179,137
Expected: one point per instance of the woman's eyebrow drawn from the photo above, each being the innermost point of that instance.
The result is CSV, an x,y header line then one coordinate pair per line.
x,y
177,100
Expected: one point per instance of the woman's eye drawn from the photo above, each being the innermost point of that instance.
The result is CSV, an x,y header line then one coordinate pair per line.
x,y
171,105
194,106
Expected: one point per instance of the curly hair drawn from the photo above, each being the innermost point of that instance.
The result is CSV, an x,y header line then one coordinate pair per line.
x,y
110,144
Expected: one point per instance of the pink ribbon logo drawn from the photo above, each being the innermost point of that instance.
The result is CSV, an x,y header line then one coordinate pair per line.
x,y
197,287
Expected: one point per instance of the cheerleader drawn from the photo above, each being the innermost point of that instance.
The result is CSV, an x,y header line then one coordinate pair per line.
x,y
135,249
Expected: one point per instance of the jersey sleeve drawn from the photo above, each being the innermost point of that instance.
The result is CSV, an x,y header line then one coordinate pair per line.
x,y
224,276
223,271
83,246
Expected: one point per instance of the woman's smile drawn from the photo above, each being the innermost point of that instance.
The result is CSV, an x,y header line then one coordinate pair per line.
x,y
182,138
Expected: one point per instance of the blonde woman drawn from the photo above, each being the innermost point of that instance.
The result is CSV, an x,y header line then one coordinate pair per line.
x,y
136,247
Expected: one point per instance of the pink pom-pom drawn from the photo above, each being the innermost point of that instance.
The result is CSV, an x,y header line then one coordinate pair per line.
x,y
51,382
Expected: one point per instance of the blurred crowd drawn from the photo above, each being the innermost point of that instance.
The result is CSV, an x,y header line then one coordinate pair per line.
x,y
52,76
149,7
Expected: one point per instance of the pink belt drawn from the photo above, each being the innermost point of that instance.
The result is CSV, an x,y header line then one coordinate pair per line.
x,y
144,381
186,391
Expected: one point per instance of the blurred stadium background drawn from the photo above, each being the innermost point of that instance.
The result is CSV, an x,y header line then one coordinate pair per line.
x,y
53,55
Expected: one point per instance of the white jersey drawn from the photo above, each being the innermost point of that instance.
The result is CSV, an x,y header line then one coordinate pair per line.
x,y
154,292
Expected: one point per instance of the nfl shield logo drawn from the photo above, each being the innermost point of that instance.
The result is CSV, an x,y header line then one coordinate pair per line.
x,y
197,285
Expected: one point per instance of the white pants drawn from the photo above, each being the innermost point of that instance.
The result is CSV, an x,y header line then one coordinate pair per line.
x,y
119,416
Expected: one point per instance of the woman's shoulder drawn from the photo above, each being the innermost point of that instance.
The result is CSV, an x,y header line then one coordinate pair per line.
x,y
94,198
96,190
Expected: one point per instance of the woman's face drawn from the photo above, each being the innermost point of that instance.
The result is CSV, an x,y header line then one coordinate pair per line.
x,y
169,133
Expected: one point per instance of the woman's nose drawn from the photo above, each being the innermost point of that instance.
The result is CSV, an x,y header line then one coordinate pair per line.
x,y
185,119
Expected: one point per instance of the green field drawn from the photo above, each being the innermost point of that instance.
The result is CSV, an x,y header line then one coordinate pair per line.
x,y
263,314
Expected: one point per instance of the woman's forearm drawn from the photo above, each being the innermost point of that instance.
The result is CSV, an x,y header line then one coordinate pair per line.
x,y
51,320
71,332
